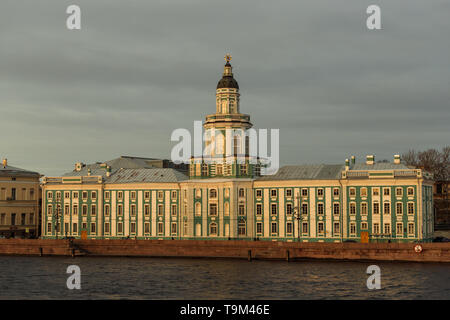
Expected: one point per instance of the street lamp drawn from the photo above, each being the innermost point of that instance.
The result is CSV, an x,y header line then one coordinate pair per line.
x,y
56,213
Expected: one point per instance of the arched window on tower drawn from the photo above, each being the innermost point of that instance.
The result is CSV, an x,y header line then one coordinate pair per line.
x,y
237,144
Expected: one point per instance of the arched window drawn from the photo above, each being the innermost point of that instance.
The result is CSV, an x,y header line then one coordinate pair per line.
x,y
237,144
213,229
198,209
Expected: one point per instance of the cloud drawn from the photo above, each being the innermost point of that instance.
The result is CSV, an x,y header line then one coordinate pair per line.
x,y
137,70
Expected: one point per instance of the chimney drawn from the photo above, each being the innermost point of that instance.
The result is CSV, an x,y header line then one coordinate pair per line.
x,y
353,160
5,162
79,166
370,159
108,171
397,159
89,171
347,165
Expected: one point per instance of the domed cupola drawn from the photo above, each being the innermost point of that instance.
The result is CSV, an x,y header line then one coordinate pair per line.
x,y
227,80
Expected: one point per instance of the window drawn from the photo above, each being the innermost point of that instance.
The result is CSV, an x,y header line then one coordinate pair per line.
x,y
133,195
23,219
399,192
288,208
66,210
147,195
58,194
146,227
75,209
376,208
387,208
75,227
259,228
259,193
213,228
49,227
133,227
173,228
304,208
376,228
411,229
336,228
336,192
387,228
353,208
364,208
106,227
174,210
31,220
399,208
107,195
336,208
241,193
107,210
49,195
3,219
119,210
160,195
399,229
243,169
352,192
120,195
320,192
289,228
363,192
92,227
320,208
375,191
213,193
85,195
288,192
133,210
273,193
120,227
93,210
304,192
386,191
31,194
241,210
94,194
273,209
273,228
160,209
204,169
84,225
352,229
410,207
84,210
410,191
364,225
198,209
67,195
242,229
146,210
258,209
320,228
174,195
213,209
75,195
305,227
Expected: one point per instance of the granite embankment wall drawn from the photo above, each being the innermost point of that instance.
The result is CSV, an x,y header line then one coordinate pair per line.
x,y
432,252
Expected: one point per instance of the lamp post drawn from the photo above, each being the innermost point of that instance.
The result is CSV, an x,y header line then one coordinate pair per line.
x,y
56,212
297,215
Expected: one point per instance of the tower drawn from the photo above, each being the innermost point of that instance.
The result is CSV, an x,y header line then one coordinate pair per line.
x,y
226,136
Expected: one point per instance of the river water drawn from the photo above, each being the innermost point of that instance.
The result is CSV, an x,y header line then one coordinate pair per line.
x,y
173,278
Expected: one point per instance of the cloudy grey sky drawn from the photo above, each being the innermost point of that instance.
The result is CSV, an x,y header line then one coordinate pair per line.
x,y
139,69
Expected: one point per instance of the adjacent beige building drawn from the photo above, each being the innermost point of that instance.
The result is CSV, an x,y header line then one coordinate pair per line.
x,y
19,202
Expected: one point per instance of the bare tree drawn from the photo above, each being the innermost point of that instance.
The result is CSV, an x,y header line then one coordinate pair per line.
x,y
410,158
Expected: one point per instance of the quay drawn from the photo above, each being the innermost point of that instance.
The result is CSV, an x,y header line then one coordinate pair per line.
x,y
235,249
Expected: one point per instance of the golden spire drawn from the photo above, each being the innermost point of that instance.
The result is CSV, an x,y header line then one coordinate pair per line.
x,y
228,57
